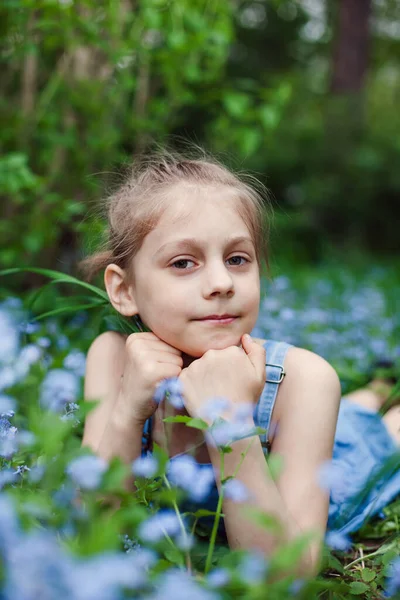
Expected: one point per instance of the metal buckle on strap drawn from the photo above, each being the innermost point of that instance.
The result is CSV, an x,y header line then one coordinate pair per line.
x,y
266,445
281,376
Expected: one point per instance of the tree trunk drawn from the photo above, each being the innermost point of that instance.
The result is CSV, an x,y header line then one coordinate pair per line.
x,y
350,58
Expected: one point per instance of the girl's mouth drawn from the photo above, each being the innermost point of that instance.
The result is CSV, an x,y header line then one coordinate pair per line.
x,y
218,320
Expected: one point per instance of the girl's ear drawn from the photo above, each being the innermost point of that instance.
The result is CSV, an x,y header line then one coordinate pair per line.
x,y
120,291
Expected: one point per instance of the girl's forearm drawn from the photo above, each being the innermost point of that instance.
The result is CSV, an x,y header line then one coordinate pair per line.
x,y
242,533
122,437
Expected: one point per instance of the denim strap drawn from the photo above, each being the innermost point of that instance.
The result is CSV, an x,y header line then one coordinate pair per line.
x,y
274,370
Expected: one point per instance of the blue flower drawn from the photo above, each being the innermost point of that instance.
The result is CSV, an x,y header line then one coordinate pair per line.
x,y
170,388
47,569
103,577
186,473
296,586
58,388
145,466
338,541
7,405
7,476
9,527
179,585
214,408
236,491
218,577
184,541
223,434
9,337
157,526
182,471
393,579
75,361
87,471
36,473
8,439
29,355
253,567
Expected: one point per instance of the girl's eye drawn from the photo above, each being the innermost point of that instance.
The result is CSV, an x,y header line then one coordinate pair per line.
x,y
236,263
181,263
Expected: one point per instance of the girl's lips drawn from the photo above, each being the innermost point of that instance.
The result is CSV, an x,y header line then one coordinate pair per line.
x,y
217,321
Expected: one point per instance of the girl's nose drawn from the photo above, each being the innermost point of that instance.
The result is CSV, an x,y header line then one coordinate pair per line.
x,y
217,280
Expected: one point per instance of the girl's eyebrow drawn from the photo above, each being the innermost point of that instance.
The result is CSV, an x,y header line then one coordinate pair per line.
x,y
188,243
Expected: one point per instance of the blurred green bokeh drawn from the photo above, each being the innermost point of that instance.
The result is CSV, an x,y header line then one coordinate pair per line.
x,y
304,94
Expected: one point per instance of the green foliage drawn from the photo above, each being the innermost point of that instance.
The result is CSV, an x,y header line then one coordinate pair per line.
x,y
86,86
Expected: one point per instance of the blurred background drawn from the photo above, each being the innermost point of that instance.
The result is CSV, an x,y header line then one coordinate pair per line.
x,y
304,94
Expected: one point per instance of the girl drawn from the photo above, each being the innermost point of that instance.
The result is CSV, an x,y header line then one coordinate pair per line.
x,y
186,243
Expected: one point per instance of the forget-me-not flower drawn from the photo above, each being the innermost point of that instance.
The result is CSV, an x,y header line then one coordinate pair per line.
x,y
155,527
179,585
145,466
8,405
9,337
197,480
218,577
236,491
59,387
75,361
392,586
8,440
7,476
338,541
170,388
226,432
253,567
87,471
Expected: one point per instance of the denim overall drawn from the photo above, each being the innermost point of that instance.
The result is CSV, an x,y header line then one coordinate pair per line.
x,y
364,452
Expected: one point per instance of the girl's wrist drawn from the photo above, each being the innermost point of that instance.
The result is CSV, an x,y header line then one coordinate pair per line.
x,y
124,416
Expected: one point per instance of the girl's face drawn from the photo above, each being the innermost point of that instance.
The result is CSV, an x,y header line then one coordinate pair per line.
x,y
198,261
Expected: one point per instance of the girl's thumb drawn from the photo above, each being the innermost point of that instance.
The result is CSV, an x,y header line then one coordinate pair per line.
x,y
255,352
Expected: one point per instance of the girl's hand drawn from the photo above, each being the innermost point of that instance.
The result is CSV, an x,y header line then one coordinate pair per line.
x,y
233,373
148,360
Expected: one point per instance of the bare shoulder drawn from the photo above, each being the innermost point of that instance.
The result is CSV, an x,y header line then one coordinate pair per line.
x,y
106,344
306,374
301,365
105,361
309,381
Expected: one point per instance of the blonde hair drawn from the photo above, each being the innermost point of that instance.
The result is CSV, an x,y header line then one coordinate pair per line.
x,y
135,208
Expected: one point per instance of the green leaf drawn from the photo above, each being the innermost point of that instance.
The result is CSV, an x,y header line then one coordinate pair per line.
x,y
177,419
197,423
236,103
368,574
113,479
203,512
66,309
174,556
59,277
358,587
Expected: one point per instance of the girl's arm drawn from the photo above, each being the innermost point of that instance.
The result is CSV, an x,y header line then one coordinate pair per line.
x,y
109,431
309,400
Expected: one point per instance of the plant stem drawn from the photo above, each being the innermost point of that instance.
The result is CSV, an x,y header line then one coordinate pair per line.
x,y
243,456
181,523
360,558
217,518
